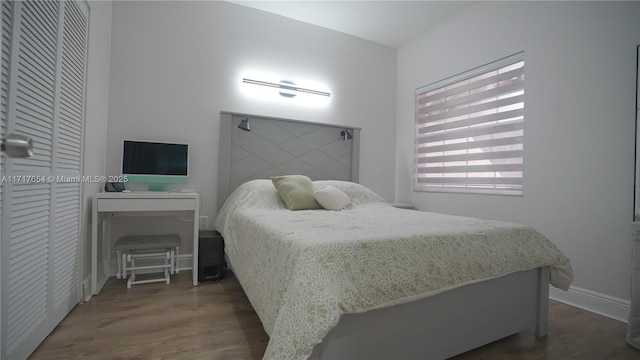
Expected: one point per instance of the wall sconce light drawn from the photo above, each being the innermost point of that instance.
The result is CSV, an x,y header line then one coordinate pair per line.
x,y
287,88
346,135
245,125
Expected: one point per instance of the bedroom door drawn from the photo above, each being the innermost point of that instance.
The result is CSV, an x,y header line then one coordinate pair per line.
x,y
43,86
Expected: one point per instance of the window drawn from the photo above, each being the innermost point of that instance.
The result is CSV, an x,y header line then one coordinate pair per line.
x,y
469,131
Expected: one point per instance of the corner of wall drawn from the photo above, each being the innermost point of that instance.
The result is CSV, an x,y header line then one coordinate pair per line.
x,y
96,106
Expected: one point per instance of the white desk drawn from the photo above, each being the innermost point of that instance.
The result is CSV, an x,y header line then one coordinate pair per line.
x,y
138,203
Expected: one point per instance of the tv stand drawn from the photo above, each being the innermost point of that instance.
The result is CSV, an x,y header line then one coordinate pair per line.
x,y
107,205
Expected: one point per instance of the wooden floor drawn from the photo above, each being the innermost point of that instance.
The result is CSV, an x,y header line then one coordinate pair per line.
x,y
216,321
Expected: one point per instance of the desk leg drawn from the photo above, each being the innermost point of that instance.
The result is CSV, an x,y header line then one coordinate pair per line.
x,y
196,229
94,248
107,247
99,268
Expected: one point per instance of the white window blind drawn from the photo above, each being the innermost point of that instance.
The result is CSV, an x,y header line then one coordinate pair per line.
x,y
469,131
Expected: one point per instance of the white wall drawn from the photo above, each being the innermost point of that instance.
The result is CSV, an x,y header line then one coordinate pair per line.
x,y
176,65
579,124
96,108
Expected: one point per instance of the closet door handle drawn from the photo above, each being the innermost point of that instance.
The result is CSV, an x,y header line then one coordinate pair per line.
x,y
17,146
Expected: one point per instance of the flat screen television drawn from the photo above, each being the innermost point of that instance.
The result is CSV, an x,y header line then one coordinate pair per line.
x,y
155,163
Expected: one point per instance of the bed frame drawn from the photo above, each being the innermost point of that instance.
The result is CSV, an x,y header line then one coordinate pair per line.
x,y
436,327
446,324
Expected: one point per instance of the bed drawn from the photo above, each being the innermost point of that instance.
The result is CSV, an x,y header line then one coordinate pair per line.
x,y
373,281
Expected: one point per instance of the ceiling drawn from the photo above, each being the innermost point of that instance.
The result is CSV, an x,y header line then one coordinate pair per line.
x,y
391,23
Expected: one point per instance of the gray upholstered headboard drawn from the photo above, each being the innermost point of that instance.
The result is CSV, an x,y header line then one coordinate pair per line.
x,y
283,147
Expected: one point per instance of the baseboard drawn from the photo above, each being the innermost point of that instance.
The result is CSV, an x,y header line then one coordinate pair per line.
x,y
185,262
602,304
85,290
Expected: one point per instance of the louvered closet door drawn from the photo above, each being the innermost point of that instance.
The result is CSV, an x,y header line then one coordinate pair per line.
x,y
5,40
40,226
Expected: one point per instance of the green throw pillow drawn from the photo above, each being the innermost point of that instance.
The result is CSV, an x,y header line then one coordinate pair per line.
x,y
296,191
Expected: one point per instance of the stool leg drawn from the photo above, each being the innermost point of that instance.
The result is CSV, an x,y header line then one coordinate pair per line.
x,y
177,257
167,258
132,277
171,262
132,260
124,265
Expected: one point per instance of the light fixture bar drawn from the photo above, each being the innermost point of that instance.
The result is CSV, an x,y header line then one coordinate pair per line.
x,y
290,87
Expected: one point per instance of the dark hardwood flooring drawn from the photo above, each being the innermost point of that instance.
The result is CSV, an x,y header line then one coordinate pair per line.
x,y
216,321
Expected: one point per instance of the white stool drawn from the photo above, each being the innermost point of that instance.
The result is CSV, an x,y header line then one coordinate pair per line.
x,y
158,247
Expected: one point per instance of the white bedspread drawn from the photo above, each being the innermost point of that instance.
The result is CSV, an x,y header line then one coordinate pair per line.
x,y
302,270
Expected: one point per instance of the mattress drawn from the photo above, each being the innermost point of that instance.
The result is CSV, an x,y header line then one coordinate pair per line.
x,y
302,270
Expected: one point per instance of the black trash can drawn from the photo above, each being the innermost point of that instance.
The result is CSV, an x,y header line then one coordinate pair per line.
x,y
211,263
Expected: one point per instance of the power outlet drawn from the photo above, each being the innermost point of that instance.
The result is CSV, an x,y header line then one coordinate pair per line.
x,y
203,223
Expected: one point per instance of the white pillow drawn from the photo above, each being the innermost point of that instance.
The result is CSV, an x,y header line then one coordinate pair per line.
x,y
332,198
